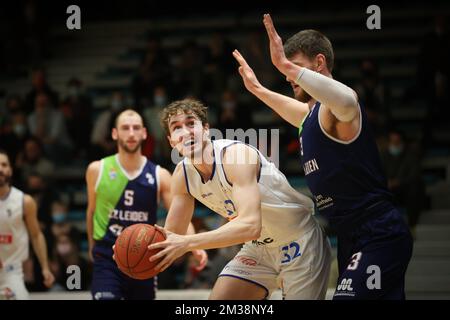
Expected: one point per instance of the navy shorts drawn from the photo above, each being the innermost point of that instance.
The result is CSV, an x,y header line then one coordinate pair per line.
x,y
373,259
109,283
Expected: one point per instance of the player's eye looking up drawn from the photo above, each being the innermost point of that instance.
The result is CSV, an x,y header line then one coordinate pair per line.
x,y
190,123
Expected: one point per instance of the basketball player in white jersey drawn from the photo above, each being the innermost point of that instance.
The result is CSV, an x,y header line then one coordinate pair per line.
x,y
18,223
284,245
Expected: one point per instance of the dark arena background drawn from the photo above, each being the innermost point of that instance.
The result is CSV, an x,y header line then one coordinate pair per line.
x,y
145,54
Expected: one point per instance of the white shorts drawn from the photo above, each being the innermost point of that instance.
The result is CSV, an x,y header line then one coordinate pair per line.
x,y
12,286
300,268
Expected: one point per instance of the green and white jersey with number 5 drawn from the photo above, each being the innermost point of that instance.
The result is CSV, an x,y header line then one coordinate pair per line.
x,y
122,200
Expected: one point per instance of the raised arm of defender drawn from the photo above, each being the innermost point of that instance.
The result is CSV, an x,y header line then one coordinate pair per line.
x,y
289,109
339,98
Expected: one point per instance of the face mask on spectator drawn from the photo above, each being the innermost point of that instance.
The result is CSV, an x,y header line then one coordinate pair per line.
x,y
160,100
19,129
395,150
59,217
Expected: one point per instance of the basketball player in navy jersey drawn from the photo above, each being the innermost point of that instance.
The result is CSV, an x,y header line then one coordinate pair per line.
x,y
124,189
341,164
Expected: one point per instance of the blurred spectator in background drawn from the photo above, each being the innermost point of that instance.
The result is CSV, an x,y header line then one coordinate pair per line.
x,y
13,126
44,196
101,141
231,114
66,252
77,110
256,50
48,125
40,85
32,160
403,171
60,225
189,75
219,66
156,146
13,104
374,96
154,70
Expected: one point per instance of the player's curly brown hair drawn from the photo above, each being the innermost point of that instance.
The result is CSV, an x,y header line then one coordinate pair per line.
x,y
187,106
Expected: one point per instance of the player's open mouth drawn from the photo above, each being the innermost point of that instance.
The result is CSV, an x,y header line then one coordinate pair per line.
x,y
189,143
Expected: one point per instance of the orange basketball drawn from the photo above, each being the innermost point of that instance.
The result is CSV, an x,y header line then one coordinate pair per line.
x,y
131,252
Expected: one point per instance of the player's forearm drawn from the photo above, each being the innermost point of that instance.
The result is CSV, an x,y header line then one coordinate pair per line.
x,y
289,109
339,98
232,233
40,249
179,221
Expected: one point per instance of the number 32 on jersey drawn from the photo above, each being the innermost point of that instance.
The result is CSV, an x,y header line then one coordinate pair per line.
x,y
290,252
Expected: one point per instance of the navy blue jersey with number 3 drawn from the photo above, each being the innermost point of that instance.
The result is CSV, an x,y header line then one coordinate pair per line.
x,y
348,183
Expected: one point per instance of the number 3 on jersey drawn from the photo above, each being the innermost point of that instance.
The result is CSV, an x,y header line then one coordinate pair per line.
x,y
353,265
129,198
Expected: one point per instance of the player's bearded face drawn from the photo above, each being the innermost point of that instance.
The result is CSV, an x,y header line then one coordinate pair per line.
x,y
130,134
130,145
303,61
5,171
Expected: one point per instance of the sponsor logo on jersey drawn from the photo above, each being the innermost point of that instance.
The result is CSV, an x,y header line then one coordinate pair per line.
x,y
310,166
112,174
345,288
246,260
129,215
262,243
205,195
323,202
104,295
150,178
6,238
238,271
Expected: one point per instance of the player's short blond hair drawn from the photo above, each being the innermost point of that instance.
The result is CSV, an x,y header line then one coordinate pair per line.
x,y
186,106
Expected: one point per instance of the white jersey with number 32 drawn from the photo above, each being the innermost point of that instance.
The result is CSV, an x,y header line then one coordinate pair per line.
x,y
286,213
